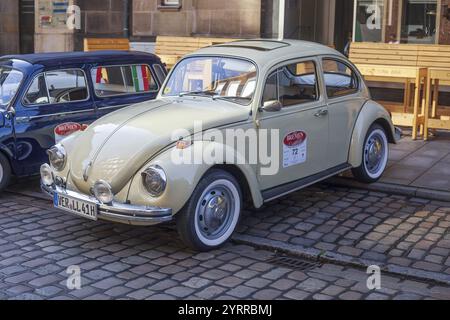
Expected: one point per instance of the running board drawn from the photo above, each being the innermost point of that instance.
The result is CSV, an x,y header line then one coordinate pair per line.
x,y
279,191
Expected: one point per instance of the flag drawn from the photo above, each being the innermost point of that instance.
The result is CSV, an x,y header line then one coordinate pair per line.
x,y
101,75
141,78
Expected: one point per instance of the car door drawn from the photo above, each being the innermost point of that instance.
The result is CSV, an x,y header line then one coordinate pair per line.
x,y
55,104
302,124
117,86
344,103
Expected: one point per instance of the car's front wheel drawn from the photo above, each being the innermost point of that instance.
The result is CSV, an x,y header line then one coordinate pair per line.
x,y
210,216
5,172
375,155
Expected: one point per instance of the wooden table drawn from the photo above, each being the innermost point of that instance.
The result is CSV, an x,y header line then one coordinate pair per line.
x,y
435,78
406,75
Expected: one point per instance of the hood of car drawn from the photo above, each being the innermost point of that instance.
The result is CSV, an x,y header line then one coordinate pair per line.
x,y
116,146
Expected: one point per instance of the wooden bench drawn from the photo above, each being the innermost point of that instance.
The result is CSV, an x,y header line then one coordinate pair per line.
x,y
96,44
171,49
396,63
433,58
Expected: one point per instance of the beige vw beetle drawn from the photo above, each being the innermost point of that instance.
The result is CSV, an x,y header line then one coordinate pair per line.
x,y
300,112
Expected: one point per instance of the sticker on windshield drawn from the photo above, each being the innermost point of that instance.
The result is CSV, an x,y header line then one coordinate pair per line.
x,y
294,148
65,129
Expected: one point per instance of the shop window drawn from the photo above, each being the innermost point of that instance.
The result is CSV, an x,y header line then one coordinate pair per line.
x,y
419,21
339,78
292,84
118,80
369,21
396,21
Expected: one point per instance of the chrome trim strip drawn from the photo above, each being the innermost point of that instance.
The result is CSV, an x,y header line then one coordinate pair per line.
x,y
119,212
69,112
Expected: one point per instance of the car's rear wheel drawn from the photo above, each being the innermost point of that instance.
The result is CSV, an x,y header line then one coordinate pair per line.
x,y
5,172
211,214
375,155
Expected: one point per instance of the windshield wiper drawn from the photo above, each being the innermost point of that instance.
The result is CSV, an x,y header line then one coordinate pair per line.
x,y
197,93
230,98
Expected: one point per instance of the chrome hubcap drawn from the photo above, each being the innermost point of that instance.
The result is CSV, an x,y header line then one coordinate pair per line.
x,y
215,211
374,153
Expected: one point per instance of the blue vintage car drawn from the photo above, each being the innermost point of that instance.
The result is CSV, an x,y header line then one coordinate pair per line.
x,y
45,97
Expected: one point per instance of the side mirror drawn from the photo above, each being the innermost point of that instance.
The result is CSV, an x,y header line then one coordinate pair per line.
x,y
3,118
272,106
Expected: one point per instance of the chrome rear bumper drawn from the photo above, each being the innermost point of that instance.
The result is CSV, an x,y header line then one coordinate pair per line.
x,y
118,212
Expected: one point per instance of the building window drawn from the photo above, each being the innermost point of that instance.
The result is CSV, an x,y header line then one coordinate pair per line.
x,y
169,4
419,21
396,21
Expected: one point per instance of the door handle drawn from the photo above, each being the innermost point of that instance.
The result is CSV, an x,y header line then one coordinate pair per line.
x,y
321,113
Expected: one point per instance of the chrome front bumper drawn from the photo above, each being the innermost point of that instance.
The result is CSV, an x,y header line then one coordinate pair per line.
x,y
118,212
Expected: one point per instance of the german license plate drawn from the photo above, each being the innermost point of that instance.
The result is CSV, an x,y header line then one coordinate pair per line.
x,y
81,208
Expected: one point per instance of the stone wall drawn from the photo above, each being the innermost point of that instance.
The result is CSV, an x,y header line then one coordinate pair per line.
x,y
9,27
105,17
232,18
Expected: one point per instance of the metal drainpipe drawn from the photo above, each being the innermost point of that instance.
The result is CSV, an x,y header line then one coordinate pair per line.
x,y
126,18
281,15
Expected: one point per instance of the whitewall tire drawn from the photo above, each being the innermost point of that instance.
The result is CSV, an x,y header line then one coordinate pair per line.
x,y
212,213
374,157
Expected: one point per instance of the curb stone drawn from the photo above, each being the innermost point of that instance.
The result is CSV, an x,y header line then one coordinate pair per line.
x,y
392,188
340,259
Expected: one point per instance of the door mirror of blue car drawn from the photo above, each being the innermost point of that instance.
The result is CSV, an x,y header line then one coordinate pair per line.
x,y
2,118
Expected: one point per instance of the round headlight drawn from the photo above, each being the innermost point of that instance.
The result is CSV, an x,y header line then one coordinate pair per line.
x,y
46,175
102,191
57,157
154,180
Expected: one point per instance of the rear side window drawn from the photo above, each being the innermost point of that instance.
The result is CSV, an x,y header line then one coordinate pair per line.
x,y
59,86
118,80
339,78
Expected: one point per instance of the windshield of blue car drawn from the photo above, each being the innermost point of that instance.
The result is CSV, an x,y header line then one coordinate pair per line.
x,y
10,80
222,78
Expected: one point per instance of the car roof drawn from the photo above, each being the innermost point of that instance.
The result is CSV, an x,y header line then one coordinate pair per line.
x,y
60,58
263,51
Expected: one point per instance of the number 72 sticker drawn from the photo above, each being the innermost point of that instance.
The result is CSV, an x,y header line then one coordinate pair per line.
x,y
294,148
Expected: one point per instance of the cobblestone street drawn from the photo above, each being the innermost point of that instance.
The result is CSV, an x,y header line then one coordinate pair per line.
x,y
37,244
407,235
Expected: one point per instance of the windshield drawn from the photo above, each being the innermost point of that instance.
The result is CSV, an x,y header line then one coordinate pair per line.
x,y
9,84
218,77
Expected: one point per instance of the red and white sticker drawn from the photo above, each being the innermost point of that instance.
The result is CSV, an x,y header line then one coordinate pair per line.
x,y
294,148
65,129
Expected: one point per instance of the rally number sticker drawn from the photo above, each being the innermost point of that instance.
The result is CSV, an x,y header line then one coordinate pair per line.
x,y
65,129
294,148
